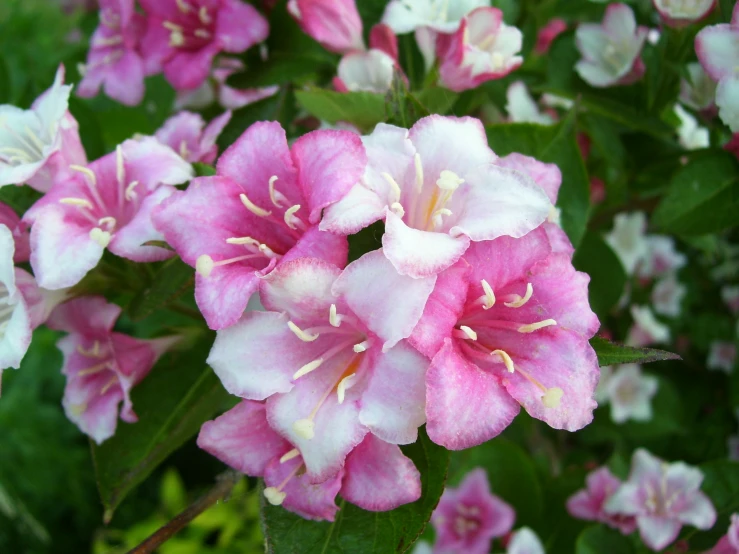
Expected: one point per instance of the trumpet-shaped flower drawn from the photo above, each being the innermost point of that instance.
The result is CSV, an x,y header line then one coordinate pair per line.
x,y
677,13
469,517
525,541
376,476
729,543
588,504
106,204
114,61
507,326
329,357
333,23
438,189
630,393
482,49
259,209
183,36
662,497
101,366
610,51
188,135
37,144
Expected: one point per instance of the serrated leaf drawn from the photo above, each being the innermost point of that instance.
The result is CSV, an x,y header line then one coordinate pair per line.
x,y
612,353
172,280
607,275
363,109
356,530
172,402
599,539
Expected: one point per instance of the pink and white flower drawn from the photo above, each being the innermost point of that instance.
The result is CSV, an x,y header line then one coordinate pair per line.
x,y
502,335
101,366
334,23
438,189
187,134
660,257
630,393
522,108
628,239
730,296
662,497
646,329
106,204
469,517
328,357
667,296
19,230
729,543
588,503
37,144
234,227
482,49
611,51
548,33
678,13
525,541
722,356
376,476
184,36
114,61
372,70
717,47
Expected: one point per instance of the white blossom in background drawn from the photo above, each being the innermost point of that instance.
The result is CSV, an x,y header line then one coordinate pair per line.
x,y
628,239
730,296
646,329
667,295
522,108
661,257
721,356
691,135
630,393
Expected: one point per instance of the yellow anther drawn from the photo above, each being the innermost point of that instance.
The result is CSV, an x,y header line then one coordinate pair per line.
x,y
521,301
253,208
505,358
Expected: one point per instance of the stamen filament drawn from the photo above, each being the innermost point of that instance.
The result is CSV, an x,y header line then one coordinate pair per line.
x,y
93,352
130,193
301,334
307,368
294,453
361,346
505,358
290,219
333,318
106,387
80,202
489,298
419,172
521,301
345,384
275,196
531,327
253,208
94,369
87,172
393,185
472,335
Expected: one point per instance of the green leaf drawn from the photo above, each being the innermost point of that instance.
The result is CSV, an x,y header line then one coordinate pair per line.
x,y
90,132
19,198
607,275
281,68
363,109
171,281
6,88
356,530
436,100
721,484
703,196
553,144
599,539
279,107
611,353
174,400
203,170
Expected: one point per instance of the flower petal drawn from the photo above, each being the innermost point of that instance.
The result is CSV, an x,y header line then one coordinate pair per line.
x,y
239,26
717,50
657,532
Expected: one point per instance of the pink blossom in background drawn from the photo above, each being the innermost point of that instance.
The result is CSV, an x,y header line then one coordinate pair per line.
x,y
548,33
667,296
721,356
730,296
525,541
733,145
588,504
37,144
482,49
628,239
329,358
438,191
660,257
333,23
729,543
184,36
376,475
101,366
187,134
264,204
19,230
611,50
597,190
106,204
646,329
114,61
630,393
662,497
507,335
469,517
683,12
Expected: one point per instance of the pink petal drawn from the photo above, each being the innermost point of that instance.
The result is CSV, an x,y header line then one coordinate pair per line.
x,y
124,81
698,511
465,406
382,38
86,315
658,532
239,26
717,50
222,296
242,438
188,70
547,176
360,208
378,477
497,516
152,164
322,245
333,23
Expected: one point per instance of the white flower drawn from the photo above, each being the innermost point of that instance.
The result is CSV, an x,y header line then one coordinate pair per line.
x,y
522,108
404,16
730,296
691,135
525,541
683,11
667,295
646,329
627,239
661,257
721,356
15,321
630,393
370,71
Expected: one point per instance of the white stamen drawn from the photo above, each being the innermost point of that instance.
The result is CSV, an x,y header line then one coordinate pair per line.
x,y
393,185
274,496
521,301
448,180
130,194
419,171
93,370
302,335
333,318
203,14
471,334
176,39
253,208
294,453
204,265
120,170
109,384
86,171
345,384
531,327
94,352
267,251
201,33
109,221
275,195
100,236
489,300
307,368
289,216
505,358
305,428
498,60
442,212
243,240
361,346
398,209
81,202
552,397
183,6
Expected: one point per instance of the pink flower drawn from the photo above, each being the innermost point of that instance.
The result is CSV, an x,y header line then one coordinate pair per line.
x,y
661,257
469,517
101,366
482,49
504,334
36,145
113,61
19,230
183,36
730,296
333,23
588,504
106,204
646,329
329,358
663,497
611,51
717,48
630,393
667,295
729,543
187,134
437,188
252,217
684,12
376,476
722,356
548,33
